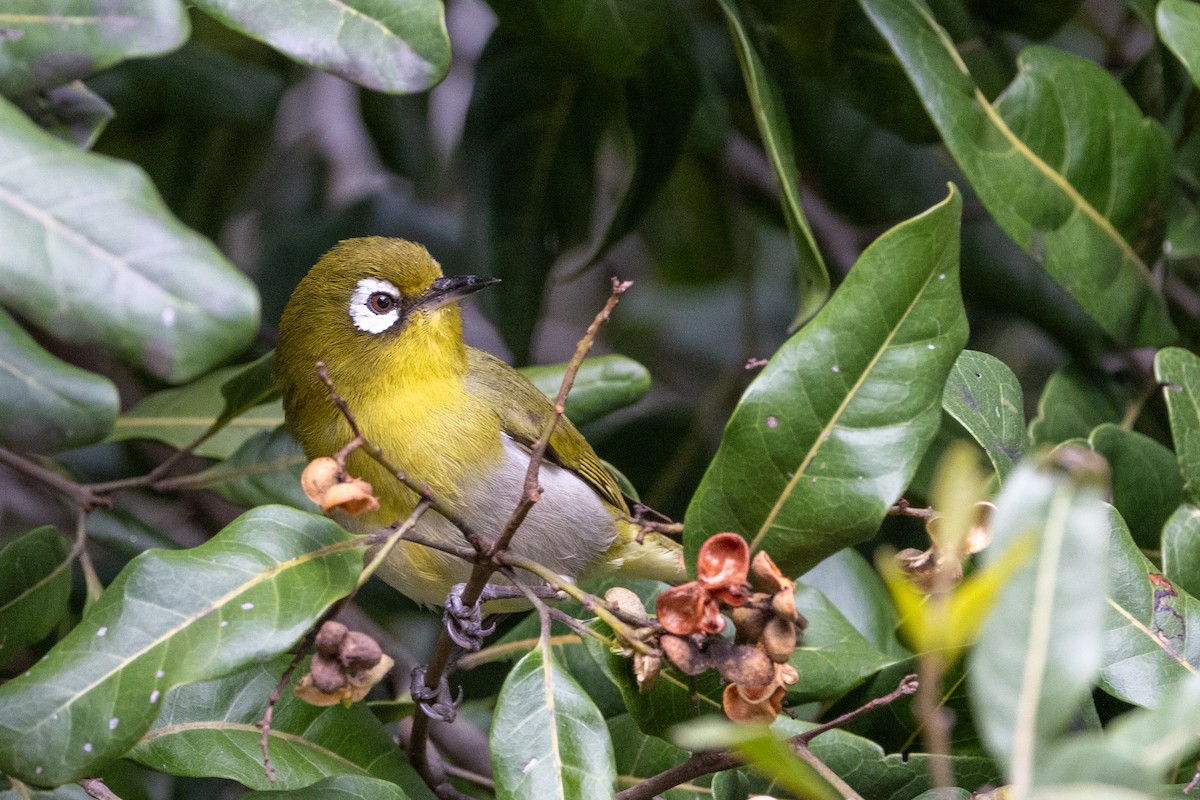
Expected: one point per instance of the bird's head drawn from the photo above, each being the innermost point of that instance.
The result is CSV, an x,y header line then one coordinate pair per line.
x,y
376,311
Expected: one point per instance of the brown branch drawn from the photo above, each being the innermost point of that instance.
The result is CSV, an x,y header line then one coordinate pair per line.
x,y
901,508
491,555
707,762
86,497
95,788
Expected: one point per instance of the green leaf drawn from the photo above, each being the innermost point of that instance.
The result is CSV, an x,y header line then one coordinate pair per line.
x,y
832,657
1181,549
1040,648
859,761
178,416
1146,485
1073,403
640,756
1159,738
41,50
1179,372
548,740
35,584
1178,23
338,787
832,430
210,729
770,115
1152,629
603,385
612,37
170,618
386,45
983,394
46,404
1095,223
856,591
93,255
265,469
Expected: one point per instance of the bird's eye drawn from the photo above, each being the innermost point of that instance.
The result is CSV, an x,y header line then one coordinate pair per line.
x,y
381,302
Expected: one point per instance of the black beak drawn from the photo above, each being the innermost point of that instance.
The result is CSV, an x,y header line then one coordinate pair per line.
x,y
453,287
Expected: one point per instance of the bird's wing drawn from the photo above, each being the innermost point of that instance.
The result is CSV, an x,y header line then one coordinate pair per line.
x,y
524,412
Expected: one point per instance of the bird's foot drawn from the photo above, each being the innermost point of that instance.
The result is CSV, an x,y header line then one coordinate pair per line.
x,y
465,624
436,703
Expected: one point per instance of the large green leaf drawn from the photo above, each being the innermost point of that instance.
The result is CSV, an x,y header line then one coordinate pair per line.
x,y
48,44
983,394
832,430
831,657
1152,629
1040,648
1181,549
210,729
776,132
170,618
35,584
548,740
854,588
611,37
1178,23
1034,158
603,385
47,404
640,756
387,45
92,255
338,787
1146,486
1178,370
265,469
178,416
1073,402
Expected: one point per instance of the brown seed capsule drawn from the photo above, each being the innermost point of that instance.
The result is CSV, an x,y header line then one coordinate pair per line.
x,y
359,652
329,638
685,653
354,497
645,669
318,477
778,640
750,619
327,674
626,602
743,664
739,710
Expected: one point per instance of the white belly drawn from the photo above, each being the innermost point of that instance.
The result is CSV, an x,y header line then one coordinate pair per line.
x,y
568,530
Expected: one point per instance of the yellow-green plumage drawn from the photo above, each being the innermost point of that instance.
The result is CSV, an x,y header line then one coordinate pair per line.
x,y
452,416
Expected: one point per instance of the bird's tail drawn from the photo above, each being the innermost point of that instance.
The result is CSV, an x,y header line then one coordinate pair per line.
x,y
655,557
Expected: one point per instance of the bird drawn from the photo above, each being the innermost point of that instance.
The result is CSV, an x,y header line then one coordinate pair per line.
x,y
385,321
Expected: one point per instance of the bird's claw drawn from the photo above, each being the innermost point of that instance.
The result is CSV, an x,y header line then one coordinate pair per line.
x,y
465,624
436,703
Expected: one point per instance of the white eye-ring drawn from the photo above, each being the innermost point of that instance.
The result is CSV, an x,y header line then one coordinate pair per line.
x,y
375,305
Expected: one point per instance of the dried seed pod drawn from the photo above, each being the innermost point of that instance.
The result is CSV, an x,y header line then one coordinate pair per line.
x,y
750,620
319,477
359,652
351,689
739,710
645,669
329,638
354,497
721,567
980,534
769,576
682,609
684,652
778,639
327,674
742,664
628,603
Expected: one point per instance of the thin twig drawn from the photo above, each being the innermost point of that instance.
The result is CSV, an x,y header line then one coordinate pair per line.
x,y
901,508
95,788
83,496
707,762
505,650
908,685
